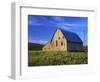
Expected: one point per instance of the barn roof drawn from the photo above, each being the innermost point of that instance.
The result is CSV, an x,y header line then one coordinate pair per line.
x,y
71,36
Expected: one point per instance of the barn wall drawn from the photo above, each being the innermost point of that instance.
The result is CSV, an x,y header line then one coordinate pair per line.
x,y
74,46
59,43
47,47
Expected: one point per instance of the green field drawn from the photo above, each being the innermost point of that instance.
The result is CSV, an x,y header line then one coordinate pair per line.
x,y
40,58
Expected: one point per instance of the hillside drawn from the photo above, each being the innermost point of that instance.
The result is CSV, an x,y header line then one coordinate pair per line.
x,y
35,46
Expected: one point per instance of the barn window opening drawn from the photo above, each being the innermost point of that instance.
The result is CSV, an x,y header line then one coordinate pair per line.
x,y
56,43
61,43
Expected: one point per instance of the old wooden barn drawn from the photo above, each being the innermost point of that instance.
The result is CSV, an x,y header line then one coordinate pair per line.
x,y
63,40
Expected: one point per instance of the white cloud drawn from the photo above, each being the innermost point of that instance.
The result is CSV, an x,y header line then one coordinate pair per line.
x,y
34,23
63,25
39,41
58,19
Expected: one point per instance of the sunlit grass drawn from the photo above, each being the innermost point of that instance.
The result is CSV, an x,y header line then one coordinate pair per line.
x,y
40,58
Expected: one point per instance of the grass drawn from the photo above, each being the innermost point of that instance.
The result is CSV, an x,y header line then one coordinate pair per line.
x,y
40,58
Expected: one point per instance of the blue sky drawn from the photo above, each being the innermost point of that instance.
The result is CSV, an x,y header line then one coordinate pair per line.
x,y
41,28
